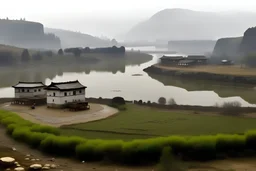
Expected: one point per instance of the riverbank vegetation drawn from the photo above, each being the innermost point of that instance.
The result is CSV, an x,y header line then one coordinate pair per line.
x,y
235,70
135,152
10,55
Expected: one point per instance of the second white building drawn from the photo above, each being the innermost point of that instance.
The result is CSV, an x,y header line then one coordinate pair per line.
x,y
61,93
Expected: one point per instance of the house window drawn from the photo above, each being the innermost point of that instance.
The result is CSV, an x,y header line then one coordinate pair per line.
x,y
74,92
53,94
80,91
39,90
65,94
27,90
35,90
23,90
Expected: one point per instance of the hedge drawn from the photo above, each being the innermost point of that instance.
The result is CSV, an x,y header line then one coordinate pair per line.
x,y
49,140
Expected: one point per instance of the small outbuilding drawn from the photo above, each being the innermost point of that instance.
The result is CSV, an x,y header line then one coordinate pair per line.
x,y
29,90
60,94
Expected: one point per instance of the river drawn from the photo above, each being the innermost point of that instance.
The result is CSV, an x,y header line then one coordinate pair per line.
x,y
148,87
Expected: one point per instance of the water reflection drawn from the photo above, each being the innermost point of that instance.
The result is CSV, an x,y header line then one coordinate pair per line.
x,y
111,79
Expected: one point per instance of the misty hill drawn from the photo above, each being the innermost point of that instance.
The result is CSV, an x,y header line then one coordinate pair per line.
x,y
183,24
26,34
192,47
76,39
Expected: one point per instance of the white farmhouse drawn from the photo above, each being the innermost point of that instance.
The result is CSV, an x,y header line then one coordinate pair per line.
x,y
29,90
61,93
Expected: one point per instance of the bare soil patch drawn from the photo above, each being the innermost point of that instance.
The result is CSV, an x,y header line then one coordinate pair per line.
x,y
60,117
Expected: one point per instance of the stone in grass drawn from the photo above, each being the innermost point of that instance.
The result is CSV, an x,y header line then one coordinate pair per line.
x,y
47,165
27,159
7,169
7,161
53,166
46,168
19,169
35,167
33,160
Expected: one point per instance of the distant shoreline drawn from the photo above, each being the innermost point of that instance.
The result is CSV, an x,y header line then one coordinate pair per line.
x,y
215,73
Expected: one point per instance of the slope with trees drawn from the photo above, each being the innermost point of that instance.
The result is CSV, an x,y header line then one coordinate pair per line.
x,y
77,39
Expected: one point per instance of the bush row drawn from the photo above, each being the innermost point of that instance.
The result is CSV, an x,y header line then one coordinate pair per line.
x,y
49,140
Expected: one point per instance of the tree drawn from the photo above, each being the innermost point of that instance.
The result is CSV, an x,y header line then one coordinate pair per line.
x,y
60,52
87,50
37,56
114,42
118,101
162,101
172,102
25,57
122,49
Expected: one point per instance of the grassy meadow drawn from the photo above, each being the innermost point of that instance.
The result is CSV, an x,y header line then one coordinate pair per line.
x,y
139,122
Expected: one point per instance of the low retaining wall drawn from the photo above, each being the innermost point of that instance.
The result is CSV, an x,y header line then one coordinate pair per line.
x,y
201,75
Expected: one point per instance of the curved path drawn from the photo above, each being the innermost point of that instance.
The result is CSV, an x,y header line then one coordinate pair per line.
x,y
60,117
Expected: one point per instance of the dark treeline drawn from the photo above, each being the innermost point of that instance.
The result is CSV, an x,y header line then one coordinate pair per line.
x,y
78,51
248,44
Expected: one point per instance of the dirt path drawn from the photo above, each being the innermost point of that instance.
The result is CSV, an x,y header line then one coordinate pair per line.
x,y
60,117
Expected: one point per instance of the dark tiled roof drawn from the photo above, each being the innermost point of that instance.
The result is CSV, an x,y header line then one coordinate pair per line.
x,y
196,57
172,57
29,85
65,85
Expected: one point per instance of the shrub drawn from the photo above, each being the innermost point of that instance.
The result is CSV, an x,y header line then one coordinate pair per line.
x,y
201,148
25,56
59,145
45,129
118,101
230,144
231,108
60,52
251,140
168,162
88,151
162,101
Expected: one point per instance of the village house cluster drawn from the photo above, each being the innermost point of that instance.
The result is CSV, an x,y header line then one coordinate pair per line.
x,y
183,61
55,95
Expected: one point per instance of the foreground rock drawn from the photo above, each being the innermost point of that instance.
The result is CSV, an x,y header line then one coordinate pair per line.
x,y
19,169
7,161
35,167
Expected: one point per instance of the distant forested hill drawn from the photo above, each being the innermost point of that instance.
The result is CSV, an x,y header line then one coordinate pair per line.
x,y
76,39
184,24
26,34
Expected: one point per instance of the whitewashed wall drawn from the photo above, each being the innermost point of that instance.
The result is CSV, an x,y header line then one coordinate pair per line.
x,y
32,92
60,98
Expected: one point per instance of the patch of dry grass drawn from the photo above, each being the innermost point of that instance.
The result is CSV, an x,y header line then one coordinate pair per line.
x,y
216,69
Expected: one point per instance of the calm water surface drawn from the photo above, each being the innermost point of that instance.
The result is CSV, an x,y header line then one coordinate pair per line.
x,y
145,87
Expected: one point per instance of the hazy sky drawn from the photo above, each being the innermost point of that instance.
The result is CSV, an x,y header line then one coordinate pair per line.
x,y
90,14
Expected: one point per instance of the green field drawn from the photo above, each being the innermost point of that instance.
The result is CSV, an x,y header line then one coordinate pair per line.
x,y
144,122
